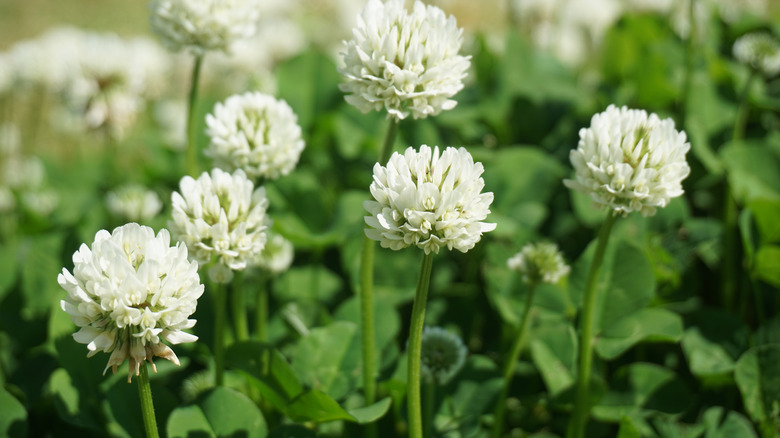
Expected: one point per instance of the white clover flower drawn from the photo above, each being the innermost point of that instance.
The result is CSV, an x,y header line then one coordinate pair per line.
x,y
112,79
428,200
171,117
537,263
134,203
442,355
407,63
7,200
221,216
256,133
277,256
130,291
40,201
629,161
759,50
21,172
202,25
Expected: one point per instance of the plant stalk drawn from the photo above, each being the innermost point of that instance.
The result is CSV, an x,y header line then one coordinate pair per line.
x,y
147,405
582,402
261,315
414,404
241,326
509,366
367,295
192,147
219,334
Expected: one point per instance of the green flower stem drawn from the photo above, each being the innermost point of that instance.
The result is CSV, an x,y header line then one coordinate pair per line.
x,y
238,301
582,402
415,348
429,403
387,145
509,366
219,334
192,147
367,294
690,47
261,315
367,319
367,290
147,405
743,109
729,271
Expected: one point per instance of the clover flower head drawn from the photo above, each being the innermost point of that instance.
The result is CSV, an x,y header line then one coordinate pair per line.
x,y
539,263
428,200
629,161
442,355
220,215
203,25
277,256
759,50
133,202
256,133
405,62
130,291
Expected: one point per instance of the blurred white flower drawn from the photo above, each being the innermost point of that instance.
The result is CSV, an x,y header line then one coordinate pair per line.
x,y
113,79
20,172
134,203
220,215
129,291
572,30
10,139
7,200
202,25
442,355
537,263
41,201
256,133
171,117
759,50
404,62
629,161
428,200
277,256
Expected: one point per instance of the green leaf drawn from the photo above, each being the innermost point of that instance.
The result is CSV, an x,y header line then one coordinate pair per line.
x,y
328,358
767,264
641,388
732,425
276,379
473,393
292,431
649,323
309,84
13,421
628,429
371,413
69,403
523,176
767,217
387,322
319,407
554,352
39,273
712,342
9,265
754,171
220,412
758,380
315,283
631,286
